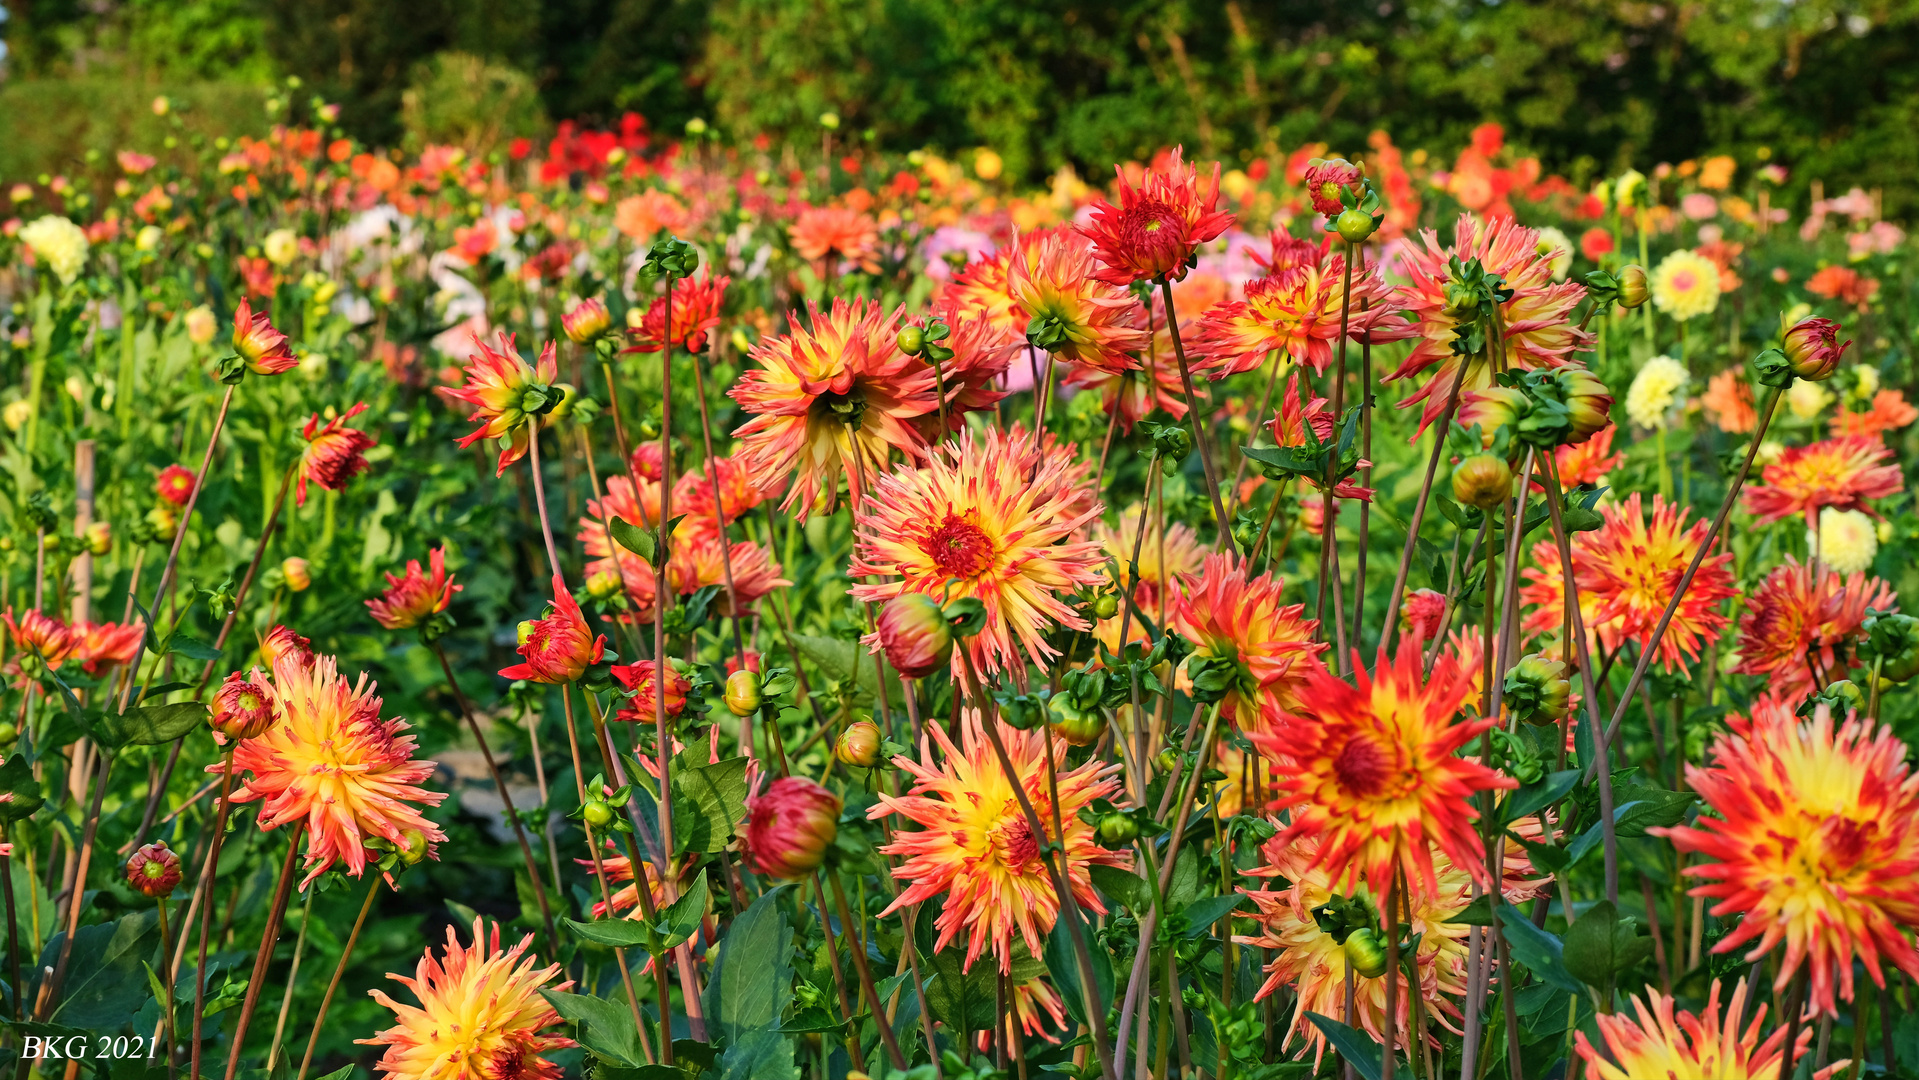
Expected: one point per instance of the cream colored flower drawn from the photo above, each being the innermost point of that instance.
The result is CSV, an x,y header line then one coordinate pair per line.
x,y
1685,284
16,413
1847,540
58,243
281,247
1657,388
1557,249
1807,399
201,325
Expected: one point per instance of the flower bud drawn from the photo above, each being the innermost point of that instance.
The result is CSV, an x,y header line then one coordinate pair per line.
x,y
789,826
910,339
98,537
242,708
859,745
9,731
587,322
154,870
1633,290
597,813
1812,348
1117,828
1078,726
1366,953
1537,690
1587,399
743,695
294,569
1105,606
414,847
1354,226
604,585
163,522
1492,408
1422,613
915,634
1483,480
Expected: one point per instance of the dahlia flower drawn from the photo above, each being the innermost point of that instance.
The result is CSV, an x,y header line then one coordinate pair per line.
x,y
1135,394
989,516
698,559
242,707
607,556
983,289
1813,841
58,242
1370,769
1656,391
643,707
1537,330
334,453
1226,615
1841,473
1626,571
1710,1046
263,347
1728,400
281,641
821,231
1170,552
559,647
101,646
1096,323
41,635
1813,349
981,355
1296,312
497,383
1156,229
1889,412
174,484
1846,541
693,497
1798,628
1586,462
835,397
696,310
1326,180
480,1017
1288,428
329,759
1685,284
619,869
789,826
975,845
411,600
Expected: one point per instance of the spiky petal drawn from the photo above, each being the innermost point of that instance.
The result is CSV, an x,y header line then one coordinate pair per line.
x,y
1653,1042
1157,228
1841,473
1226,614
1797,632
1057,281
1296,312
334,454
408,601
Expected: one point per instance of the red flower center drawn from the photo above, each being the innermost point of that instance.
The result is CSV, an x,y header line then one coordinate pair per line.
x,y
960,548
1018,848
1363,767
1152,233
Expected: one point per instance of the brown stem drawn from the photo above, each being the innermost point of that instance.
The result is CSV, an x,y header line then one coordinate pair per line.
x,y
208,878
339,969
264,957
866,975
78,895
1419,512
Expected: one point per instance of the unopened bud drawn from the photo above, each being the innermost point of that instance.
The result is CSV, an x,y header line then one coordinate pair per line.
x,y
294,569
1354,226
1483,480
743,694
1117,828
915,634
859,745
154,870
1632,286
1537,690
1812,348
1365,953
98,537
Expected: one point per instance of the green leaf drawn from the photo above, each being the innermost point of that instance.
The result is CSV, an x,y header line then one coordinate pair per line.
x,y
633,538
709,801
619,933
105,978
1477,913
1602,943
752,985
1538,795
1652,808
605,1028
1124,886
682,920
340,1073
814,1019
1203,913
21,791
1183,887
152,725
1540,951
846,661
1355,1047
960,998
192,648
1063,961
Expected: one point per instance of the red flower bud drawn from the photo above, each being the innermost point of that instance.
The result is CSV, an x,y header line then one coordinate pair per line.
x,y
242,707
789,827
859,745
280,642
258,343
560,647
587,322
294,569
1424,611
154,870
1633,290
1812,348
916,636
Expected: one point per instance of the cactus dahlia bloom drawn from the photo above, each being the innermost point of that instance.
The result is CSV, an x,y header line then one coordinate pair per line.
x,y
1056,281
1296,312
1843,473
259,343
821,231
989,516
480,1016
1626,571
41,635
696,309
1288,428
981,355
1156,229
983,290
1169,553
1370,768
1709,1046
496,384
334,454
1227,615
1036,1007
974,843
411,600
619,868
1889,412
1136,394
329,759
1797,632
1536,323
641,509
1814,842
1310,961
100,646
837,396
697,560
693,498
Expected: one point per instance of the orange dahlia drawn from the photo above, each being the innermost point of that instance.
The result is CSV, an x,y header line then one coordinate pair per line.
x,y
1587,462
1097,323
1227,615
1728,400
619,868
981,355
100,646
983,290
497,381
693,497
329,759
1536,325
1288,428
1296,312
480,1017
1814,841
1371,769
1626,571
822,231
607,556
408,601
1889,412
696,561
1709,1046
334,453
1797,633
835,397
41,635
975,845
1156,229
989,516
1169,553
1841,473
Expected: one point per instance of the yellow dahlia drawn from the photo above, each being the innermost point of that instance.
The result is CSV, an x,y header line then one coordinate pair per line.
x,y
975,845
331,761
1685,284
833,398
1847,540
480,1017
1097,323
1814,841
1536,322
1710,1046
1627,571
1371,769
1797,634
988,516
1224,614
1656,391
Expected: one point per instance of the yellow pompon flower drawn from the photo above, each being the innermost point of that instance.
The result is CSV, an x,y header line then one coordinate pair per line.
x,y
1685,284
1371,769
1095,323
480,1017
1656,391
331,761
990,517
1814,842
974,843
833,397
1311,962
1847,540
1709,1046
1227,615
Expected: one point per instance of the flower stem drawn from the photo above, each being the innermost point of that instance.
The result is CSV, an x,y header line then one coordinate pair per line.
x,y
186,513
865,974
264,957
339,969
293,974
839,977
1445,424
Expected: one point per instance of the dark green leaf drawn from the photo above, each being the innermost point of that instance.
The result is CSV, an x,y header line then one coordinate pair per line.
x,y
1536,796
1477,913
1651,808
1540,951
1063,961
682,920
152,725
969,999
192,648
1203,913
22,793
1355,1047
709,801
632,538
1601,944
619,933
605,1028
751,987
1122,885
106,982
847,661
